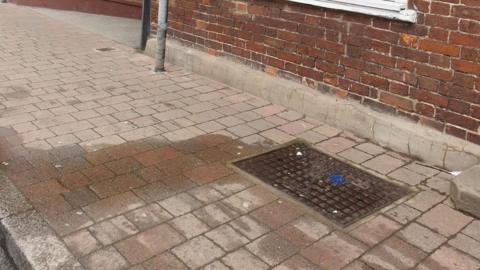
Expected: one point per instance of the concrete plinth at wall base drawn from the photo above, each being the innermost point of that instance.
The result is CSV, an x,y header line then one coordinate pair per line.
x,y
26,236
399,134
465,191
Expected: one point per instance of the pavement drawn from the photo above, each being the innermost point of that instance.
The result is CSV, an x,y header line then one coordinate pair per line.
x,y
129,168
123,30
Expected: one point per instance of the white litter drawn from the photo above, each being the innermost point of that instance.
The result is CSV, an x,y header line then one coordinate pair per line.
x,y
299,153
5,163
455,173
58,166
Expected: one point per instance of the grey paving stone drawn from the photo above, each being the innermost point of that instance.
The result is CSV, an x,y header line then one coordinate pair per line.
x,y
312,136
406,176
189,225
277,136
226,237
466,244
473,230
243,260
197,252
113,230
383,164
370,148
424,200
107,259
355,155
403,213
81,243
272,248
180,204
335,145
249,227
421,237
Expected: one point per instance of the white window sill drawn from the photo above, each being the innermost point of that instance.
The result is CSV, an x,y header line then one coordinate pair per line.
x,y
407,15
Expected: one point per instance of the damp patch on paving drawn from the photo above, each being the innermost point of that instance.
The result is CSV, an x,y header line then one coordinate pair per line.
x,y
337,190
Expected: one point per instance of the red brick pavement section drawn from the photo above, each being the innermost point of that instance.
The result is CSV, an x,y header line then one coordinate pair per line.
x,y
130,167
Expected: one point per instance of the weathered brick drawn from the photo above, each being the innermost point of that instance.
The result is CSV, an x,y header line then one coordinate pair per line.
x,y
467,66
397,101
467,12
437,47
465,39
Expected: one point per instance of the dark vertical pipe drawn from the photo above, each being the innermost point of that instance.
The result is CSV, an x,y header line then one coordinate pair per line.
x,y
146,8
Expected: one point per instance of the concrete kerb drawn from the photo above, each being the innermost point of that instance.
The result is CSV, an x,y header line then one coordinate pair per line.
x,y
397,133
28,239
465,191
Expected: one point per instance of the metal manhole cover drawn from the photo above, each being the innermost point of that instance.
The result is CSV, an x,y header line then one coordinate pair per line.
x,y
341,192
106,49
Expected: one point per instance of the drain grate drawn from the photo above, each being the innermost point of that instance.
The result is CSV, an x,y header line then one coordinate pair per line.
x,y
106,49
341,192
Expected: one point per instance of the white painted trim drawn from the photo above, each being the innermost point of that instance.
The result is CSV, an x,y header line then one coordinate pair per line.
x,y
377,4
395,10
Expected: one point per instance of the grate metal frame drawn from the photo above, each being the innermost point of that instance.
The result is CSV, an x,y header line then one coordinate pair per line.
x,y
304,177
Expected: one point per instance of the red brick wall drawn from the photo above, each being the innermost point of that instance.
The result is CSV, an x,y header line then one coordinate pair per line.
x,y
428,71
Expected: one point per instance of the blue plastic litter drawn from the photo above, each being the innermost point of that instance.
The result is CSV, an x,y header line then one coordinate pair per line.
x,y
336,179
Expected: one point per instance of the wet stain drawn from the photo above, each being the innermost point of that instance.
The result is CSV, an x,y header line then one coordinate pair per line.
x,y
62,179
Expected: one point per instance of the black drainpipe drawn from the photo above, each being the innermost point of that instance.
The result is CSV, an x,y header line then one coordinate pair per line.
x,y
146,7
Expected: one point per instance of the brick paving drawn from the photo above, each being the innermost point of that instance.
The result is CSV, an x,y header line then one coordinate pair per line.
x,y
130,168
